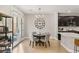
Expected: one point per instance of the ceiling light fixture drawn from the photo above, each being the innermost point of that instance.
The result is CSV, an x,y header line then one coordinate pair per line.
x,y
39,22
39,14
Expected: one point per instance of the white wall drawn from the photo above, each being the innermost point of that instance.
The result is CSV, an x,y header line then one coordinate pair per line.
x,y
51,24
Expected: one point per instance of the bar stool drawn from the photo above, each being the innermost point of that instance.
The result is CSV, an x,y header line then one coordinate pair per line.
x,y
76,42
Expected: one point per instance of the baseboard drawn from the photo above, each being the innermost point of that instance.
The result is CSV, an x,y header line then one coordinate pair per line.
x,y
69,50
55,38
26,38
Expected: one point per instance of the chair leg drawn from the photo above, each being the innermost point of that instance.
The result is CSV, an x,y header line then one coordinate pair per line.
x,y
49,43
33,44
30,43
45,45
75,49
36,43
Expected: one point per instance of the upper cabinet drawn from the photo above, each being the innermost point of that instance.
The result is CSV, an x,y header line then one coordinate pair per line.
x,y
68,21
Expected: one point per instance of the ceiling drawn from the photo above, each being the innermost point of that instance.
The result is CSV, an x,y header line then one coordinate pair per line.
x,y
48,9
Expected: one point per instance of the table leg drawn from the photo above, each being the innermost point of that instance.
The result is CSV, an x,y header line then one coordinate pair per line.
x,y
36,43
43,43
39,44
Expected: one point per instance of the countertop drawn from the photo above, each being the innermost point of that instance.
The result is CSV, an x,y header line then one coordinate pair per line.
x,y
71,31
69,34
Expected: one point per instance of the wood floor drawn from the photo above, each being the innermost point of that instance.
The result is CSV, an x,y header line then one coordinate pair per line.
x,y
25,48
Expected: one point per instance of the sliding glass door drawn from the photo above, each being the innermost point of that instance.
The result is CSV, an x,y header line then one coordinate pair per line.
x,y
17,27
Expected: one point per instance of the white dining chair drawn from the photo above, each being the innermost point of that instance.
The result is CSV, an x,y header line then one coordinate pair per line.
x,y
46,39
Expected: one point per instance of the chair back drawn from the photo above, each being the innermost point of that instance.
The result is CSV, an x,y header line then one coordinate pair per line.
x,y
34,33
47,36
34,38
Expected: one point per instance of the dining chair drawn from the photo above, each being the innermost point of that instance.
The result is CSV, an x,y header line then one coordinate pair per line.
x,y
76,44
46,40
33,39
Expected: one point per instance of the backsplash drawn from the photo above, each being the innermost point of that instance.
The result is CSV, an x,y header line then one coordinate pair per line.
x,y
63,28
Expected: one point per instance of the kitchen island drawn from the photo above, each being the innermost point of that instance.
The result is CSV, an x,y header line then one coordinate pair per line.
x,y
67,39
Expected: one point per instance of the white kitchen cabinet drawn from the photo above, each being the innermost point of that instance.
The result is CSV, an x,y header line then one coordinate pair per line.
x,y
67,40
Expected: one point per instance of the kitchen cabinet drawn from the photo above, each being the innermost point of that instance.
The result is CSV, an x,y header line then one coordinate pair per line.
x,y
68,21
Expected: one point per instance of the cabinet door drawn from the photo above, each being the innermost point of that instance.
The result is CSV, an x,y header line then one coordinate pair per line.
x,y
62,21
